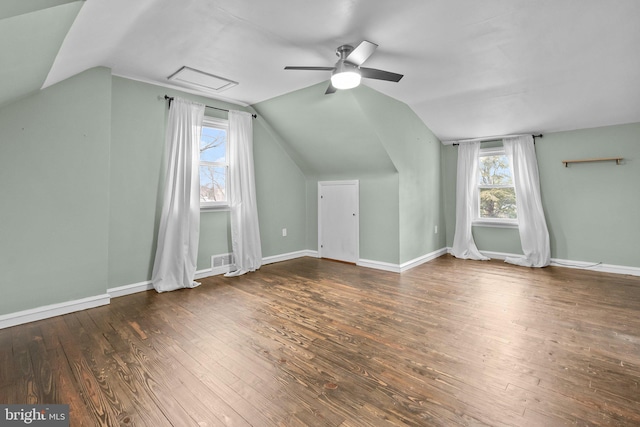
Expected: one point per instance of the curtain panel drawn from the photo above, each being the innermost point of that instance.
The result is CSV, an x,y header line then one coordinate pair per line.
x,y
245,231
466,195
532,225
176,254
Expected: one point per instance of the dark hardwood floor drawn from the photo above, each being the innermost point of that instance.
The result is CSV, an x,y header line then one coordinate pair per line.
x,y
312,342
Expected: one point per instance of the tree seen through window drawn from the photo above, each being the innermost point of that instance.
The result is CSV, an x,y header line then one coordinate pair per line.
x,y
497,193
213,165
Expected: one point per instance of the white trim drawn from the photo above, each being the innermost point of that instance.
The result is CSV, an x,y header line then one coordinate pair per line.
x,y
495,223
121,291
379,265
354,183
481,139
499,255
147,285
290,255
312,254
52,310
400,268
217,208
214,271
422,259
593,266
583,265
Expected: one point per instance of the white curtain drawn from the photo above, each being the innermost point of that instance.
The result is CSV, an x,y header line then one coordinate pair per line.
x,y
534,234
245,232
175,262
466,196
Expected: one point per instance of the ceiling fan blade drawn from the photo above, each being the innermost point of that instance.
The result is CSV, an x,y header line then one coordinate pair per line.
x,y
310,68
330,89
361,53
372,73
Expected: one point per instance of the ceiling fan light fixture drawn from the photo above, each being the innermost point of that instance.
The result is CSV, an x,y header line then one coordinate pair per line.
x,y
346,80
345,76
346,73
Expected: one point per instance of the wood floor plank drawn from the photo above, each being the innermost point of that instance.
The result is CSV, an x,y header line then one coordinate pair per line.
x,y
311,342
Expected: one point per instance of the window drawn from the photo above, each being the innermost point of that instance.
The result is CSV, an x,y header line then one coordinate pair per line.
x,y
214,163
496,193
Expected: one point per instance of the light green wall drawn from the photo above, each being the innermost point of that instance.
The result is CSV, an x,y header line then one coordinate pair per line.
x,y
81,172
495,239
592,209
31,33
364,135
331,138
138,129
280,192
11,8
137,140
215,237
54,175
326,134
139,113
415,152
379,215
379,218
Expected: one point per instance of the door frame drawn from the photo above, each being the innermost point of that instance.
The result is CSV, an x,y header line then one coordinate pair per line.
x,y
356,184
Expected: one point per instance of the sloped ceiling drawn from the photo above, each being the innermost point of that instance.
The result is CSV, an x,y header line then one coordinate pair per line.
x,y
328,135
31,33
472,68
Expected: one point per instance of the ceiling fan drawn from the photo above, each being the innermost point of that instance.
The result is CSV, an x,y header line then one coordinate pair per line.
x,y
347,72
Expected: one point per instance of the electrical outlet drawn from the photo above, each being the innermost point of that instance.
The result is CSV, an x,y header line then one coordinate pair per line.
x,y
435,230
284,232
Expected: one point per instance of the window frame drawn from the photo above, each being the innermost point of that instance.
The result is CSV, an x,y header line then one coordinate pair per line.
x,y
491,222
218,123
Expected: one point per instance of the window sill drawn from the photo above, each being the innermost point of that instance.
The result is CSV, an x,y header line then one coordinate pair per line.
x,y
496,224
221,208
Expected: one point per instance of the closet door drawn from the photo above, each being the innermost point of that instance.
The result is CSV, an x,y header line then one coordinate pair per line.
x,y
338,220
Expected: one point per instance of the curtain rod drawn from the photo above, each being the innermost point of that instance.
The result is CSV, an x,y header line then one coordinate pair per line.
x,y
488,138
170,98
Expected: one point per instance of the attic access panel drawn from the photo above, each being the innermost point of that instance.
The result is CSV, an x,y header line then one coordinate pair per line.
x,y
193,77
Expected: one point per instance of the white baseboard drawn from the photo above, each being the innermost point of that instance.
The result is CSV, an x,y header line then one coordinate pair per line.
x,y
421,260
592,266
490,254
556,262
379,265
499,255
47,311
121,291
288,256
399,268
214,271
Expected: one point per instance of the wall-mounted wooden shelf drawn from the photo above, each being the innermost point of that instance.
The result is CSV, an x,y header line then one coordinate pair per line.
x,y
601,159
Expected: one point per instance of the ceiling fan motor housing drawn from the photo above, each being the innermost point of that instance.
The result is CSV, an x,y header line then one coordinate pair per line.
x,y
347,72
343,51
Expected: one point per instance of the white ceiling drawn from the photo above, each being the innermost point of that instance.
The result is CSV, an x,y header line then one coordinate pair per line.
x,y
472,68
